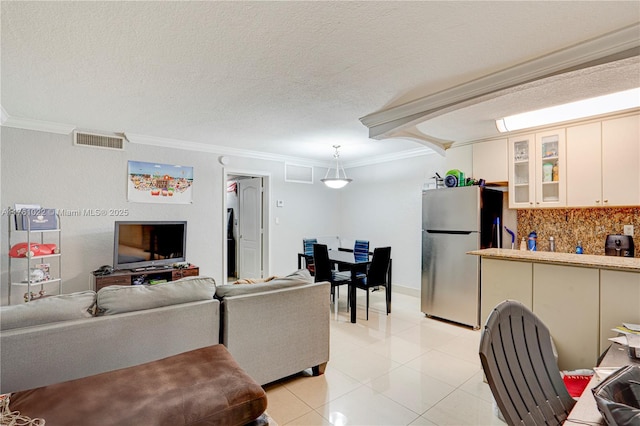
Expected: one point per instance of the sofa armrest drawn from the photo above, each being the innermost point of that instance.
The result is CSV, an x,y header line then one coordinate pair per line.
x,y
277,333
56,352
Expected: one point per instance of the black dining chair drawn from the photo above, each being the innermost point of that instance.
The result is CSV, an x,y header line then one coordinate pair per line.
x,y
376,275
324,271
518,360
307,249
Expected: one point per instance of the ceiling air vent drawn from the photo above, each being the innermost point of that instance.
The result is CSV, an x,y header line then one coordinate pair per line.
x,y
97,140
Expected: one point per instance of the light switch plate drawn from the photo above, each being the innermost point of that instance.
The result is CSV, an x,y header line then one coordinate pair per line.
x,y
628,230
280,203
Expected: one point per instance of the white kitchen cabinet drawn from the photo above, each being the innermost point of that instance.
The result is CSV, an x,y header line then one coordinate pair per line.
x,y
566,299
580,302
490,161
584,165
603,163
619,302
522,190
537,170
621,161
551,171
502,280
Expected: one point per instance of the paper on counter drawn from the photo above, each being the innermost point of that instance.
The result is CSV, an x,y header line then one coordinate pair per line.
x,y
620,339
632,327
603,372
624,330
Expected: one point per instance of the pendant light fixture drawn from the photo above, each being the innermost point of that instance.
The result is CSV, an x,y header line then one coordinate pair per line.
x,y
336,181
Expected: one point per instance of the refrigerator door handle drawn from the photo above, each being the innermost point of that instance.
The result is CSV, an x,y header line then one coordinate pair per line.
x,y
437,231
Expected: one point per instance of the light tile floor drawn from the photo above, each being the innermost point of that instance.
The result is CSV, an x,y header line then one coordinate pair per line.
x,y
400,369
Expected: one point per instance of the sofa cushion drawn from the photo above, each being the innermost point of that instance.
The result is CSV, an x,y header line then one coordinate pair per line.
x,y
58,308
297,278
119,299
254,280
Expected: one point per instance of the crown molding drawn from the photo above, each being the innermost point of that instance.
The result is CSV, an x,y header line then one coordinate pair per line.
x,y
616,45
245,153
65,129
217,149
385,158
37,125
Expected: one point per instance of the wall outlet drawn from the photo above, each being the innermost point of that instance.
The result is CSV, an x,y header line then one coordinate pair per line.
x,y
628,230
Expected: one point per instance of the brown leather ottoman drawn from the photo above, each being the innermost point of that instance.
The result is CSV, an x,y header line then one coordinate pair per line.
x,y
201,387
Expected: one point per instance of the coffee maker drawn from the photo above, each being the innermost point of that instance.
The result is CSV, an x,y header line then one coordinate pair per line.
x,y
619,245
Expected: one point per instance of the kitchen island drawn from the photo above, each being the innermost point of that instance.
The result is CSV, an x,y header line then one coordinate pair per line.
x,y
579,297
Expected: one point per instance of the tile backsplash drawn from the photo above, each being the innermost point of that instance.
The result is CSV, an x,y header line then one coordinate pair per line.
x,y
568,226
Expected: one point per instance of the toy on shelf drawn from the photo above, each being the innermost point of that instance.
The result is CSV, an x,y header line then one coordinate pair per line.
x,y
32,296
34,249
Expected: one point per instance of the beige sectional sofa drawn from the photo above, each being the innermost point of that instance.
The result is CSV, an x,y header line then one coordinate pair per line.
x,y
277,328
273,329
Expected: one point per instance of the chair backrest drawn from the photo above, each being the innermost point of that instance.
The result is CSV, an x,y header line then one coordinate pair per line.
x,y
322,263
377,273
517,358
307,246
361,250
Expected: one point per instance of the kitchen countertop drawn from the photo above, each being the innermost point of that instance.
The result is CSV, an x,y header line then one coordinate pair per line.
x,y
569,259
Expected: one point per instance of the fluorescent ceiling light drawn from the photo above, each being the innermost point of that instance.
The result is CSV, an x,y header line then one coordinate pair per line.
x,y
585,108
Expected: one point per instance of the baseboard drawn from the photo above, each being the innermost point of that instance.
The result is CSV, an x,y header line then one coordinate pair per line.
x,y
409,291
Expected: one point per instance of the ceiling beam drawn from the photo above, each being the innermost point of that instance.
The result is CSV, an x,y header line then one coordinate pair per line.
x,y
613,46
413,134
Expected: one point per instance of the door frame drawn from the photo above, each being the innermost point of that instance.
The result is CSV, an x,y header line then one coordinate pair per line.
x,y
266,216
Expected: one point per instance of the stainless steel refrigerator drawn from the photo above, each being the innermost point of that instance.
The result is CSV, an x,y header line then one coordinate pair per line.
x,y
455,221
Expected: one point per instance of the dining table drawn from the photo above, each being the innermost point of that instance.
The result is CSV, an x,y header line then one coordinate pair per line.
x,y
585,412
347,260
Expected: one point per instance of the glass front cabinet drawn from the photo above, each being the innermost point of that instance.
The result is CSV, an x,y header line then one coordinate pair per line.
x,y
537,170
522,189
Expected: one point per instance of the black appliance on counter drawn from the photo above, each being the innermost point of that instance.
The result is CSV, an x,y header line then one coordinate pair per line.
x,y
619,245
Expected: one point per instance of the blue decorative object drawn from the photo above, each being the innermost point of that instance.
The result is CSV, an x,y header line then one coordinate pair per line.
x,y
533,238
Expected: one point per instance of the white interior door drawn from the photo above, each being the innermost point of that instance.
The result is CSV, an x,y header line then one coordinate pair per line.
x,y
250,228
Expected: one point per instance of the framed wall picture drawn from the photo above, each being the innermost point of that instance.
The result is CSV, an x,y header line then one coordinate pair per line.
x,y
159,183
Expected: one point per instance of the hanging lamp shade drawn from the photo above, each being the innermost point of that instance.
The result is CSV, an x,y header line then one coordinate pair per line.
x,y
337,180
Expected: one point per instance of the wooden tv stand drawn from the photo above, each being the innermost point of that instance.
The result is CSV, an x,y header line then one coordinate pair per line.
x,y
129,277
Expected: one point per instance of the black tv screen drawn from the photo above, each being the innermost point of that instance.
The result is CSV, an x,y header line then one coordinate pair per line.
x,y
149,244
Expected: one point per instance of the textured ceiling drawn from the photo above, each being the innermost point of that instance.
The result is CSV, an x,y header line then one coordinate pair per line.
x,y
289,78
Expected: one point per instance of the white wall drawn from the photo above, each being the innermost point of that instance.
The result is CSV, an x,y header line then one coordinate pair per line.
x,y
383,204
47,169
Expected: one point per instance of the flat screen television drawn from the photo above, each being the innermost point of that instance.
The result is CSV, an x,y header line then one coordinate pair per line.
x,y
149,244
